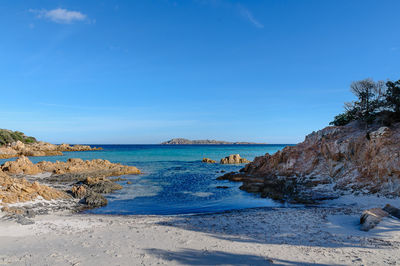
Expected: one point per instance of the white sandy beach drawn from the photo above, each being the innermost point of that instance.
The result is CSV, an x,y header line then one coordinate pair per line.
x,y
285,236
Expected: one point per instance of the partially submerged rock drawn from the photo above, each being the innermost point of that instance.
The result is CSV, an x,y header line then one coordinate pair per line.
x,y
208,160
101,185
94,200
371,218
234,159
91,189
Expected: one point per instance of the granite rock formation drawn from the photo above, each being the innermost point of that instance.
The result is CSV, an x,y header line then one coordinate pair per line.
x,y
13,190
23,165
40,148
331,160
87,178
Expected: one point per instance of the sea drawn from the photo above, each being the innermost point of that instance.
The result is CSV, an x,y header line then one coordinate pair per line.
x,y
174,180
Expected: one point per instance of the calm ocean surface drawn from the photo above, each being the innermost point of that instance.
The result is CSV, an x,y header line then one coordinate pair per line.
x,y
174,180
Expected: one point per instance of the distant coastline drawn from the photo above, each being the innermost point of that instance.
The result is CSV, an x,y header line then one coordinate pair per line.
x,y
183,141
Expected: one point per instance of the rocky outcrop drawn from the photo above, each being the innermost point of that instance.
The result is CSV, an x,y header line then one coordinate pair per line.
x,y
91,189
21,165
234,159
78,191
85,181
96,167
182,141
101,185
94,200
328,161
13,190
88,180
208,160
40,148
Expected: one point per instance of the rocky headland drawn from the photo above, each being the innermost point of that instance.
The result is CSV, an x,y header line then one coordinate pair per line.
x,y
183,141
328,162
40,148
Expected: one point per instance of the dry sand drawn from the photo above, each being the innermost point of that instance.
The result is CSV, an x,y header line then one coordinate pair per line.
x,y
278,236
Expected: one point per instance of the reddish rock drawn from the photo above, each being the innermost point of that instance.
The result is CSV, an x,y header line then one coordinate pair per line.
x,y
14,190
346,157
24,166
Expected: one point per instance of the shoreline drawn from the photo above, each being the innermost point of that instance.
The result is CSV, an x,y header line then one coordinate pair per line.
x,y
256,236
60,232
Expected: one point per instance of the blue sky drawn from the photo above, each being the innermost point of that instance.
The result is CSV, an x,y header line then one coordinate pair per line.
x,y
147,71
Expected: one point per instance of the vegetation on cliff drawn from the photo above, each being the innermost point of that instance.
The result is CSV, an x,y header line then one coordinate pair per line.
x,y
376,102
337,158
8,136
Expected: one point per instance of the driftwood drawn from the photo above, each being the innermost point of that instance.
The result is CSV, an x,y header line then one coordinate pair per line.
x,y
372,217
393,211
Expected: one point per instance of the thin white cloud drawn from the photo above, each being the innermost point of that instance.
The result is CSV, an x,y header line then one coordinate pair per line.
x,y
60,15
236,8
244,12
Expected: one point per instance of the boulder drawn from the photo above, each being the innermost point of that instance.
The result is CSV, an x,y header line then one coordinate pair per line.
x,y
234,159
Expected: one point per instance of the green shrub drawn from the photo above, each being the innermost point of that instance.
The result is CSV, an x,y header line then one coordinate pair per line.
x,y
9,136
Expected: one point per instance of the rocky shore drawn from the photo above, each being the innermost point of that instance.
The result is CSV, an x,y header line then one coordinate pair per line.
x,y
18,148
329,162
76,184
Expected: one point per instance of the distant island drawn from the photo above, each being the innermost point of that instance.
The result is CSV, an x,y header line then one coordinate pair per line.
x,y
182,141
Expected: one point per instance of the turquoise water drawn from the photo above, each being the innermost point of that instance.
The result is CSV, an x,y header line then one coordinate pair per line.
x,y
174,180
